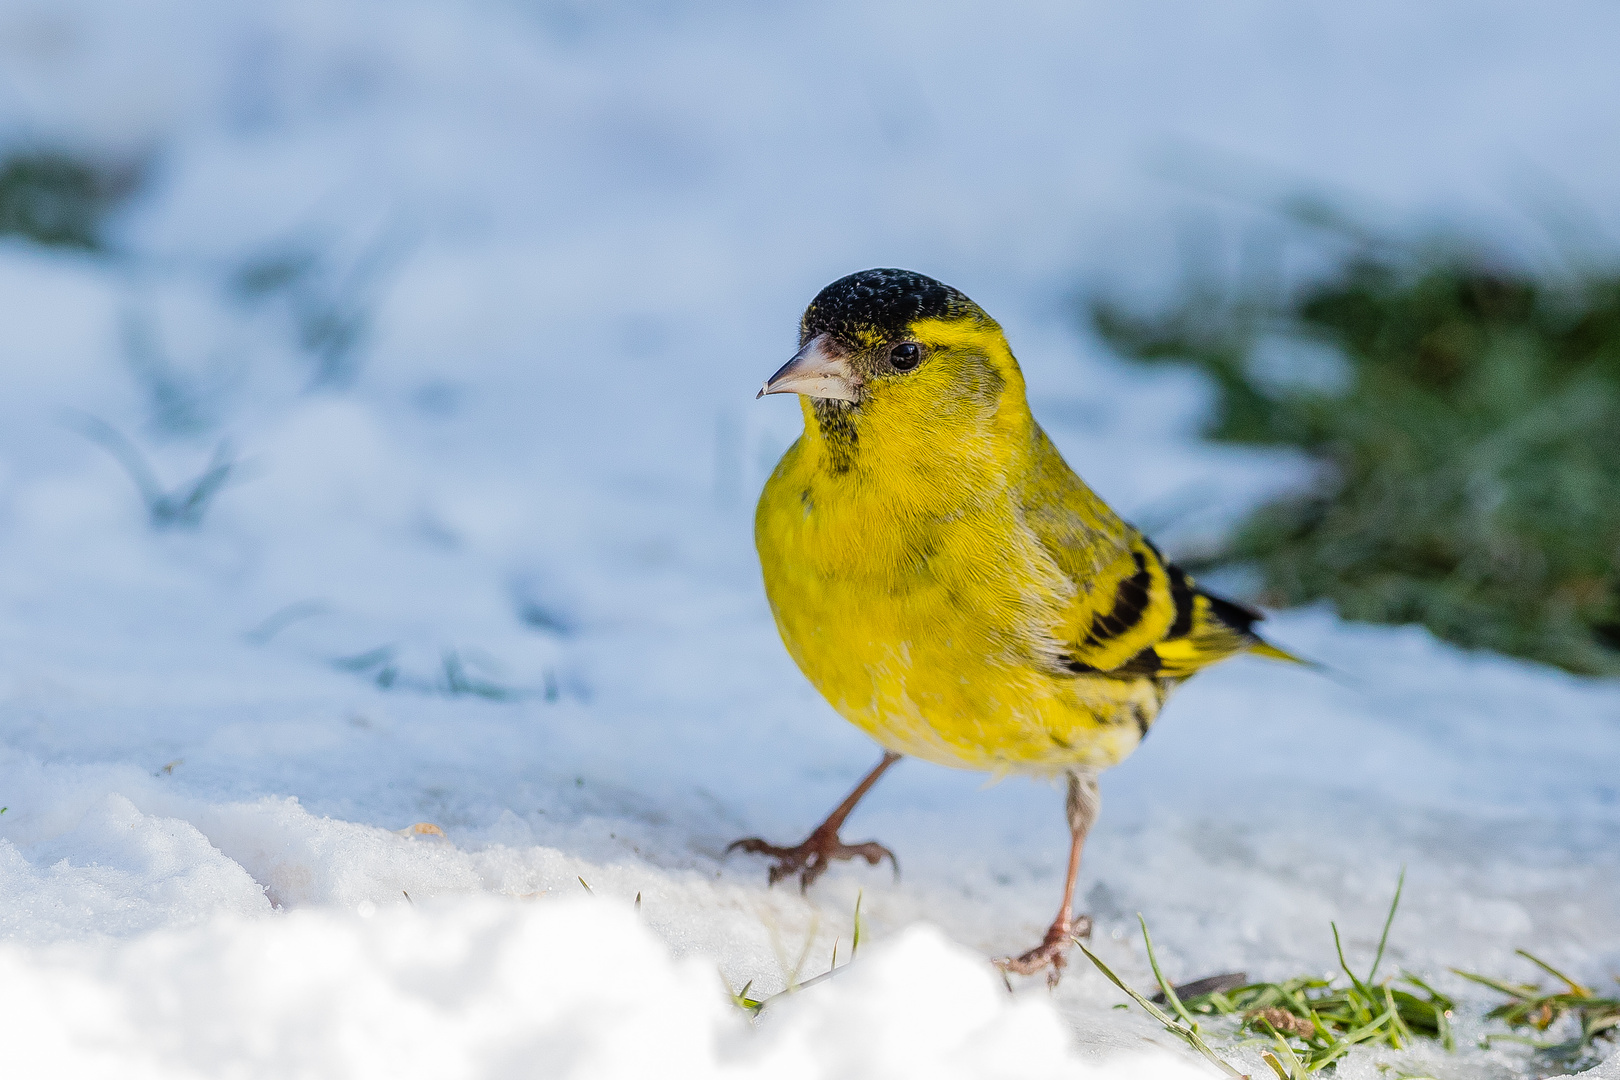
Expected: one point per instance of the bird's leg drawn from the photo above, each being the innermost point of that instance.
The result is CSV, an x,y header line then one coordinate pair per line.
x,y
1082,805
823,847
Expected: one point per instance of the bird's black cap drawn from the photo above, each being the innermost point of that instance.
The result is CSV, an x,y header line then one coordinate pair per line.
x,y
884,301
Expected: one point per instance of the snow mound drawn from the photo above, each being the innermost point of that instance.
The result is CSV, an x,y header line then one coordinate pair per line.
x,y
486,988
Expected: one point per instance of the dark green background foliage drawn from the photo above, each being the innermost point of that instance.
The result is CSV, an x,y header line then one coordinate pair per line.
x,y
1472,444
57,199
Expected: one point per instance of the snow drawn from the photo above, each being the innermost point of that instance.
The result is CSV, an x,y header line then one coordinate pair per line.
x,y
579,236
450,991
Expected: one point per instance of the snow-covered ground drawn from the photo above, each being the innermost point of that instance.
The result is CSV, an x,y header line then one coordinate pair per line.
x,y
577,236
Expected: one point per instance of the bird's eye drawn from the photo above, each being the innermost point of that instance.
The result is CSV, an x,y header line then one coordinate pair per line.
x,y
905,356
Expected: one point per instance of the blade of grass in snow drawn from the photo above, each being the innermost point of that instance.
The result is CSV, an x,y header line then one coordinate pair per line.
x,y
1187,1034
184,506
1529,1006
855,939
754,1006
1311,1024
1389,920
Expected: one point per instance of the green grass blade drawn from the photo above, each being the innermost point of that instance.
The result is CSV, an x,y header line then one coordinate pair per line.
x,y
1338,947
1276,1066
1288,1059
1519,992
1165,988
1574,987
1383,939
1185,1034
1400,1034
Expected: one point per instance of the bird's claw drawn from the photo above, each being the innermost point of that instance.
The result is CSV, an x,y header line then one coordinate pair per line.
x,y
1052,953
810,859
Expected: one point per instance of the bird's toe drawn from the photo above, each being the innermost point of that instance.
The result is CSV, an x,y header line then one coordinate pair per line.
x,y
811,859
1052,954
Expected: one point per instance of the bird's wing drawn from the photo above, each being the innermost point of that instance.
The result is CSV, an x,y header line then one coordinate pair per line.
x,y
1132,612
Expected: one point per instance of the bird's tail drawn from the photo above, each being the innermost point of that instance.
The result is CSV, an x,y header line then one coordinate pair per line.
x,y
1241,619
1265,648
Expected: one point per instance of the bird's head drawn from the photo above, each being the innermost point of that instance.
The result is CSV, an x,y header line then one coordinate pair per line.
x,y
898,350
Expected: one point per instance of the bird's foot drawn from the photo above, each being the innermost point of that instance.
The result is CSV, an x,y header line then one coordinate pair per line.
x,y
1052,953
810,859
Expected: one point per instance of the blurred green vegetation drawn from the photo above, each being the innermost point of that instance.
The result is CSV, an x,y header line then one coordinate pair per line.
x,y
1584,1016
1466,415
58,199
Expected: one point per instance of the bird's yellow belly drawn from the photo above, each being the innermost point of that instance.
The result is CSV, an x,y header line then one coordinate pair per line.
x,y
928,655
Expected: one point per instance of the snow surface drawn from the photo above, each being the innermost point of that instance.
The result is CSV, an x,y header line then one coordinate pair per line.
x,y
582,234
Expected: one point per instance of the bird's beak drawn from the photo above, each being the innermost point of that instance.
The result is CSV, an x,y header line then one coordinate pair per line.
x,y
816,371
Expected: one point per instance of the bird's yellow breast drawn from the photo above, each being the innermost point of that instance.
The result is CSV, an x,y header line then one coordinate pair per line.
x,y
916,602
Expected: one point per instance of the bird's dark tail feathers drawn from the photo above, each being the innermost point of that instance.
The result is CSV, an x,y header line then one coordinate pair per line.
x,y
1241,618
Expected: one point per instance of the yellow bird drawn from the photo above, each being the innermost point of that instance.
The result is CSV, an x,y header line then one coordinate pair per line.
x,y
948,583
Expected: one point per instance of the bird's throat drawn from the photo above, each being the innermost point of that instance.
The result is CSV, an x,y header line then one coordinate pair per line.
x,y
837,426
